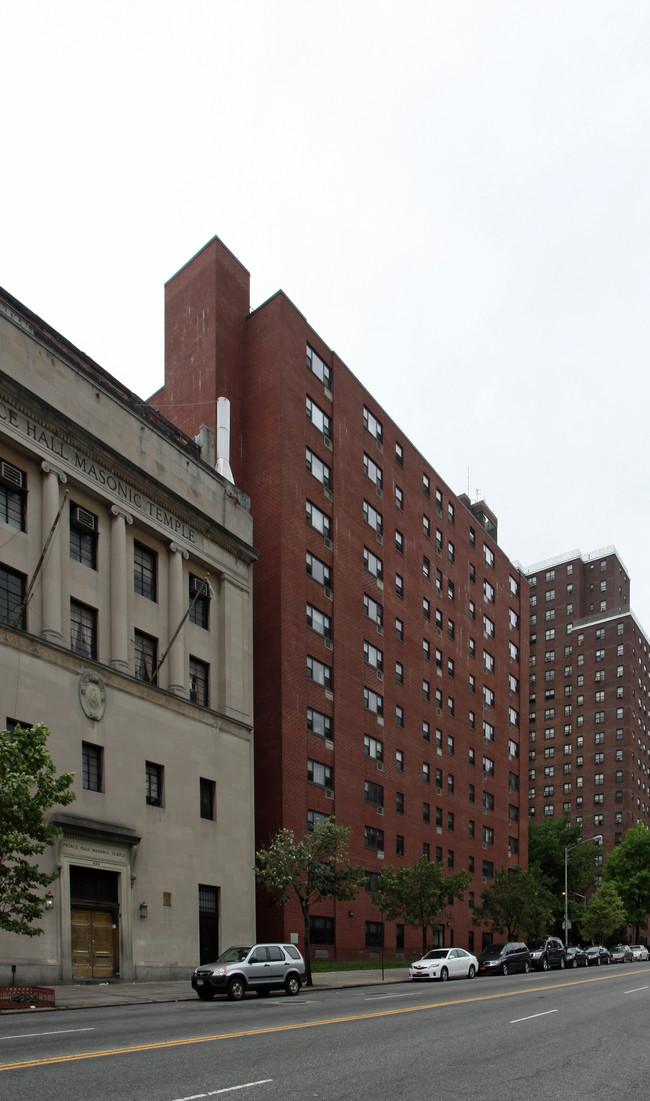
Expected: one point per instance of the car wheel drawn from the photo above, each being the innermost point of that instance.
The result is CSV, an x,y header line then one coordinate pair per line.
x,y
444,975
206,995
607,960
236,990
472,971
574,962
263,992
504,969
545,964
562,963
598,962
292,985
526,967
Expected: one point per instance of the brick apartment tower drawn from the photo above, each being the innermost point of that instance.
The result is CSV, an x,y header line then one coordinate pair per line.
x,y
388,650
589,751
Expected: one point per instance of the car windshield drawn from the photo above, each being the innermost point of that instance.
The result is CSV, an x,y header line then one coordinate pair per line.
x,y
536,942
492,951
437,954
236,954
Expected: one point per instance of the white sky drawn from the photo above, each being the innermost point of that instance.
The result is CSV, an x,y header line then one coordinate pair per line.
x,y
455,194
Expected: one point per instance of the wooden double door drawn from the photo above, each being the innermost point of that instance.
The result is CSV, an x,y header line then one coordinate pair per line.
x,y
95,942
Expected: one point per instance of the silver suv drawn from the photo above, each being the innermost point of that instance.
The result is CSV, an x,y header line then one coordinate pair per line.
x,y
258,967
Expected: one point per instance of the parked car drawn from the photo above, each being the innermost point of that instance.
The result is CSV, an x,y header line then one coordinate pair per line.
x,y
597,954
546,952
576,957
443,964
500,958
258,967
621,953
639,951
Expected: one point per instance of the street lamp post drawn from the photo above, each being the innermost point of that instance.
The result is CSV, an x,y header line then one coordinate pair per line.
x,y
597,837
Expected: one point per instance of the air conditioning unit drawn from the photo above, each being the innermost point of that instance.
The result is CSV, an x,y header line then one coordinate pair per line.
x,y
438,791
380,675
329,794
12,474
380,446
83,518
438,829
329,594
380,810
328,543
380,492
380,854
328,443
329,645
380,766
329,744
380,629
380,538
200,586
329,494
485,844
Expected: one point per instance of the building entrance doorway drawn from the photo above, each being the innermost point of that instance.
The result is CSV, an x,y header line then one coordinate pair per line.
x,y
94,923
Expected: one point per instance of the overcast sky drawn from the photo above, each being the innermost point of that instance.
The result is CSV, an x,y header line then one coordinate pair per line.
x,y
455,194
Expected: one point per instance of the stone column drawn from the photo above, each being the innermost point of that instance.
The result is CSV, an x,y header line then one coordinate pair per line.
x,y
119,591
51,587
177,601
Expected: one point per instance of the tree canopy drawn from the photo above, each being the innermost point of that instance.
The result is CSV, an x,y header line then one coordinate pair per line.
x,y
628,868
605,913
313,868
417,895
518,904
29,786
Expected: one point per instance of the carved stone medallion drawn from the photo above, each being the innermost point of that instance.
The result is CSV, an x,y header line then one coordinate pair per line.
x,y
92,695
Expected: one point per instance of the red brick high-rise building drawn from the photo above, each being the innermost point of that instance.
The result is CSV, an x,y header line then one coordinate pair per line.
x,y
589,750
391,632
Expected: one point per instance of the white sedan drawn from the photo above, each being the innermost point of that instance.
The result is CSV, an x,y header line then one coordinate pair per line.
x,y
639,952
443,964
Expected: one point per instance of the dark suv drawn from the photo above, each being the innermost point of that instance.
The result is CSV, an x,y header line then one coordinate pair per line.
x,y
500,958
546,952
259,967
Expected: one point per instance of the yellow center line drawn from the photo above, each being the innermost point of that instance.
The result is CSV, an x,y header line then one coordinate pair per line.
x,y
300,1025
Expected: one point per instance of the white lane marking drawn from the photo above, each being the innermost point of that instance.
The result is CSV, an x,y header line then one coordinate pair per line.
x,y
378,997
533,1016
636,989
227,1089
59,1032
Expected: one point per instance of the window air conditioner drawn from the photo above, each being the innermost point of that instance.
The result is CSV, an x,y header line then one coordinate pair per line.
x,y
11,474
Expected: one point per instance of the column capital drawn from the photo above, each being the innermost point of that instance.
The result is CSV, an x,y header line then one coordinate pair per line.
x,y
49,468
175,548
115,511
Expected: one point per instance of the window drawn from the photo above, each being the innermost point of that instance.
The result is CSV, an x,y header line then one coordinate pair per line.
x,y
318,723
199,681
399,630
426,649
374,934
321,930
399,802
374,838
320,571
488,767
373,748
146,656
426,485
399,585
426,566
372,882
488,591
488,662
318,520
373,656
315,819
320,470
144,571
319,673
399,542
373,702
318,417
373,426
399,498
399,454
426,526
488,627
13,495
373,793
319,774
399,845
319,622
373,471
92,762
399,716
373,610
12,595
154,784
426,731
319,368
399,760
373,518
488,555
199,602
83,630
83,536
488,697
426,772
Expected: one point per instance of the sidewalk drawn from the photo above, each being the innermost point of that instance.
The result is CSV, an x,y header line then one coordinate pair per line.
x,y
83,995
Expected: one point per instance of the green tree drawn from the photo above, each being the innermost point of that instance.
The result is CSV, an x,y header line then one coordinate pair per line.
x,y
29,786
605,913
314,868
518,903
628,867
547,842
417,895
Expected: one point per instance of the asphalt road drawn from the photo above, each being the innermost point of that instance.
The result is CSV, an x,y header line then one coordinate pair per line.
x,y
570,1035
